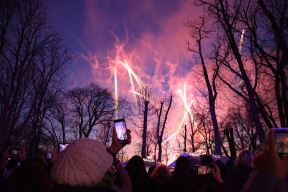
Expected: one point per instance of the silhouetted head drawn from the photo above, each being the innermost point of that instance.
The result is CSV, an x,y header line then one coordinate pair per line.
x,y
206,160
182,166
161,174
151,169
230,163
84,163
136,166
245,158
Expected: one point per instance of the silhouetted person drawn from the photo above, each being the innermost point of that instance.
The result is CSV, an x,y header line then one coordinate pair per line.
x,y
141,181
181,181
162,176
87,166
270,171
238,175
31,176
151,169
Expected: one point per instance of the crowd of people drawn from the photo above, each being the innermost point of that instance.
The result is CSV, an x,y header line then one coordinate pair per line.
x,y
87,166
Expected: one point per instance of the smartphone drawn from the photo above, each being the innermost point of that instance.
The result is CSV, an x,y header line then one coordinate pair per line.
x,y
281,139
121,130
62,146
204,170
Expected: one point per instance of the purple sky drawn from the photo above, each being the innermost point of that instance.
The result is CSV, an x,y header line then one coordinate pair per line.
x,y
91,27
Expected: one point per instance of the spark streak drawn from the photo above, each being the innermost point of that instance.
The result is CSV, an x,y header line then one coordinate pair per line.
x,y
136,93
240,50
130,70
187,112
132,75
241,41
184,99
132,83
179,126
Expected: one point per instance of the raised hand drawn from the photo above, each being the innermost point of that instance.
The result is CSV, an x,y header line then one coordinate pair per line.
x,y
269,161
115,145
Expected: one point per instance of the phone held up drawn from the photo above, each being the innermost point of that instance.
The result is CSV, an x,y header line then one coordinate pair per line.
x,y
121,130
281,139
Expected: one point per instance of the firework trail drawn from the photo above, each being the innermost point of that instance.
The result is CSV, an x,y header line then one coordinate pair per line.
x,y
132,75
240,50
241,41
187,112
136,93
184,100
179,126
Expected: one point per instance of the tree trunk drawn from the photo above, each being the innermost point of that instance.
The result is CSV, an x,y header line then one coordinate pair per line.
x,y
158,132
63,134
33,147
192,134
212,92
217,137
284,97
159,151
224,19
231,142
185,139
163,128
224,150
144,133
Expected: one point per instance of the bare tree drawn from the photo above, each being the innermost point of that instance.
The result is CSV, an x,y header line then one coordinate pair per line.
x,y
193,131
161,124
31,61
240,121
199,32
269,18
206,131
104,132
265,28
227,17
58,117
90,106
144,107
52,132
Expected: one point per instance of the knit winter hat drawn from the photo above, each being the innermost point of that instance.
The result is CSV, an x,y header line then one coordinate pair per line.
x,y
83,163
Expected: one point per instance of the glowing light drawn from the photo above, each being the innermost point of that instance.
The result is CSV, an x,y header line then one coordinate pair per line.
x,y
241,41
136,93
116,93
130,70
132,84
240,50
132,75
184,100
187,112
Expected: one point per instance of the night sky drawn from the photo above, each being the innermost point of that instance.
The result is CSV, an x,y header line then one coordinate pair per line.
x,y
149,34
153,31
